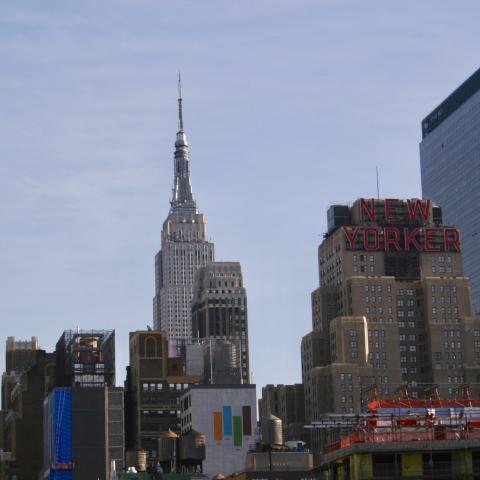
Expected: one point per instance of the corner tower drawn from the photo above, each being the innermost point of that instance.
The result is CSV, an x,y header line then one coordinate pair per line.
x,y
184,247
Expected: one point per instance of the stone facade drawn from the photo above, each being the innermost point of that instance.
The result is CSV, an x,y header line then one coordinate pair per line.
x,y
393,309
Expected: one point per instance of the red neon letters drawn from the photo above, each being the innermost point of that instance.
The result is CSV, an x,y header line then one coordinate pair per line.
x,y
389,239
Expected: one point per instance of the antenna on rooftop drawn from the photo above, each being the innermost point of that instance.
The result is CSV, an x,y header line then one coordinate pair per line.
x,y
378,187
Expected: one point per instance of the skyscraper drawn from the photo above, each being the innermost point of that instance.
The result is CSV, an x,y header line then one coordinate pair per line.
x,y
450,159
393,309
184,248
220,320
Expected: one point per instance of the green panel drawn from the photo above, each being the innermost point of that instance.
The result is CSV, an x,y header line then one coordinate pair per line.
x,y
237,431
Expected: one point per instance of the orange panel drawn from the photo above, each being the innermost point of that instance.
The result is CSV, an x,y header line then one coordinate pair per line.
x,y
217,426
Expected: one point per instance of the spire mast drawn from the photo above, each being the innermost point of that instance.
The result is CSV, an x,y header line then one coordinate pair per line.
x,y
180,110
182,197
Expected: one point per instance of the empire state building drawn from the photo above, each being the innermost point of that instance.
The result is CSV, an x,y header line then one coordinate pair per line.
x,y
184,248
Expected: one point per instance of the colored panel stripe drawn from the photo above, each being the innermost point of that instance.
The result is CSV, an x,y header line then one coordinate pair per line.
x,y
227,420
217,426
237,431
247,420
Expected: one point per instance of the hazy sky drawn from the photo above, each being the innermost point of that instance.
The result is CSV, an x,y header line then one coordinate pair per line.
x,y
289,106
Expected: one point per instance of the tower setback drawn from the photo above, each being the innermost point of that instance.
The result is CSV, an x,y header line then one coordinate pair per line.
x,y
393,309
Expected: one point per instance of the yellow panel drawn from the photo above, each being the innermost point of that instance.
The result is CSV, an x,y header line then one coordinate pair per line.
x,y
412,464
217,426
466,465
362,466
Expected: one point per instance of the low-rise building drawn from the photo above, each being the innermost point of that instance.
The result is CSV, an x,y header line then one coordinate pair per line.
x,y
226,415
404,438
286,402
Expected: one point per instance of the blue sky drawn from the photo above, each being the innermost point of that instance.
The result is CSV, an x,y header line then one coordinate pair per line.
x,y
289,107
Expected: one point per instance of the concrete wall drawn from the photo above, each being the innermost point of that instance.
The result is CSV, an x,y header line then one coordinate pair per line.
x,y
222,456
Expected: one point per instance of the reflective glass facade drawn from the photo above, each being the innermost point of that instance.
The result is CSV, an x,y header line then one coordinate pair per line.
x,y
450,168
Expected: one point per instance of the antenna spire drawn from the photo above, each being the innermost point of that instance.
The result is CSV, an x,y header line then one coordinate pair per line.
x,y
378,185
180,110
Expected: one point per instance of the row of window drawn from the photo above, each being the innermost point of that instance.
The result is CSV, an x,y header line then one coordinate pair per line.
x,y
458,344
405,359
441,259
363,258
377,288
377,356
157,387
442,269
445,299
402,337
445,288
448,355
364,268
444,310
376,333
402,324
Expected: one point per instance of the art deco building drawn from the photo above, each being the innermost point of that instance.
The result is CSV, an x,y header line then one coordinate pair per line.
x,y
393,309
449,158
219,319
184,248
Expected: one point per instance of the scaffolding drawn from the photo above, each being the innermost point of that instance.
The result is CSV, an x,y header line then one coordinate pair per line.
x,y
86,358
403,419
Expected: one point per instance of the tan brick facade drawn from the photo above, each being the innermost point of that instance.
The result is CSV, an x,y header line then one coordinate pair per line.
x,y
393,308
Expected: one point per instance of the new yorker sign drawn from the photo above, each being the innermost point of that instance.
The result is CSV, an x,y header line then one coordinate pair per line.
x,y
400,239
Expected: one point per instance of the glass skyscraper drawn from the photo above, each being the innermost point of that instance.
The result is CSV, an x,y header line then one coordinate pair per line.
x,y
450,167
